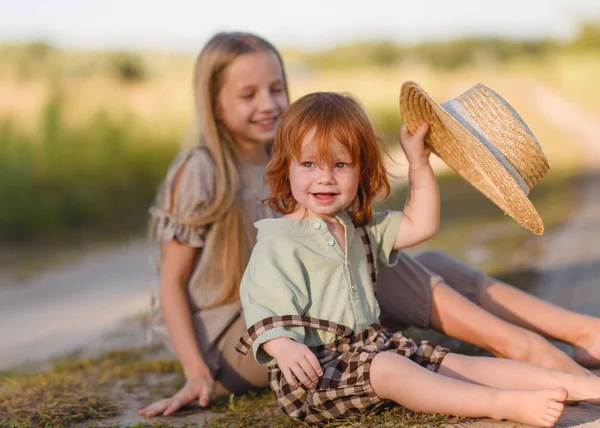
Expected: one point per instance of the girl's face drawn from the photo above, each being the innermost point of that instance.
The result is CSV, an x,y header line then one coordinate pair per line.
x,y
252,98
326,189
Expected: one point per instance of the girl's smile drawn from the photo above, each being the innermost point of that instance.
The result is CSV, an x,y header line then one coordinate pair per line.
x,y
266,125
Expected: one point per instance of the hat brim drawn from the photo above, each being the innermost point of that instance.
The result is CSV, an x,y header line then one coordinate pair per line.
x,y
466,155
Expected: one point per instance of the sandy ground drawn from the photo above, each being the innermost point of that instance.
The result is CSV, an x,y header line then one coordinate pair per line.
x,y
74,306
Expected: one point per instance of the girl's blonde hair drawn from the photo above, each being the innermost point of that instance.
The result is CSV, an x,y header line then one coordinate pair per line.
x,y
335,117
226,214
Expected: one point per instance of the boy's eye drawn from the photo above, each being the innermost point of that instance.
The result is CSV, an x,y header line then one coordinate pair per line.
x,y
307,164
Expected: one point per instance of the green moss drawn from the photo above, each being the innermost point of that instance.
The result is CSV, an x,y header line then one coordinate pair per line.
x,y
83,389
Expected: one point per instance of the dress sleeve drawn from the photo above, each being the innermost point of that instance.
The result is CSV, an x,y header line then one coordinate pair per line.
x,y
267,291
383,231
187,190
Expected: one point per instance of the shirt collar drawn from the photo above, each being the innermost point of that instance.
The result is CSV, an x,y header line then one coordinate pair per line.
x,y
302,228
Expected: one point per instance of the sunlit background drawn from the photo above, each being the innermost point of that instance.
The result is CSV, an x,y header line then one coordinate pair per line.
x,y
96,100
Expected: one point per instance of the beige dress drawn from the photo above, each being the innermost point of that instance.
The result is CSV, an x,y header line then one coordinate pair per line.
x,y
404,290
194,173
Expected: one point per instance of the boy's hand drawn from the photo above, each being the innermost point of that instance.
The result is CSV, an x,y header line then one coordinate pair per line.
x,y
295,360
414,146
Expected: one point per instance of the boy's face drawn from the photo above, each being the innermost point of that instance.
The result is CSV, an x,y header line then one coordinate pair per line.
x,y
325,189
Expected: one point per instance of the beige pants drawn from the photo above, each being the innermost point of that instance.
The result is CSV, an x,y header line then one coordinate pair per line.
x,y
404,295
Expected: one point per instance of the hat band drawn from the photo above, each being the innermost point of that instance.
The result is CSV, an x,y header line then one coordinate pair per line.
x,y
458,112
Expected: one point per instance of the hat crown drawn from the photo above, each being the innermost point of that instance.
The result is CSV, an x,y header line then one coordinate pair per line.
x,y
481,137
507,131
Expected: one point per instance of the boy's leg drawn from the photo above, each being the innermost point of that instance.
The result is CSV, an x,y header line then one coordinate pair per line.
x,y
509,374
517,307
397,378
411,293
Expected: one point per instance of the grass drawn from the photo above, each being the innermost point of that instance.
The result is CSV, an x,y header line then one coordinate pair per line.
x,y
88,391
260,410
96,177
80,390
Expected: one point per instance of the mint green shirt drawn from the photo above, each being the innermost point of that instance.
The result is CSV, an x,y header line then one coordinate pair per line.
x,y
298,268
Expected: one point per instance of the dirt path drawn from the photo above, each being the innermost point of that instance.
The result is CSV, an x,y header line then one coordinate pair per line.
x,y
74,306
570,262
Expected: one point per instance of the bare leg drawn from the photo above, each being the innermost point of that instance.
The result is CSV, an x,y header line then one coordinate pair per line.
x,y
397,378
458,317
506,374
532,313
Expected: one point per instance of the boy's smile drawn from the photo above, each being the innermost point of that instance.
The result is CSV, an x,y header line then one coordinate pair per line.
x,y
325,198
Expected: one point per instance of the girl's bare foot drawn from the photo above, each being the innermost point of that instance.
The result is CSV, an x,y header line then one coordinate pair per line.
x,y
542,353
554,358
588,356
540,408
586,351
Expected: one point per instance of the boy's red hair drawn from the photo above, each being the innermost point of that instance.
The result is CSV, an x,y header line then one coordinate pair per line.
x,y
334,117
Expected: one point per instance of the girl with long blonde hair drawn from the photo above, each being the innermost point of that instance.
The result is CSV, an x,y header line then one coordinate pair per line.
x,y
204,213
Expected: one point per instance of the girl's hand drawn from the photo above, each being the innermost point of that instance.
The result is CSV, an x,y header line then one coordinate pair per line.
x,y
198,388
296,361
414,146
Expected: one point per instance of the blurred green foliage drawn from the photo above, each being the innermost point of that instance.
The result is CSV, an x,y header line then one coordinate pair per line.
x,y
129,67
588,38
451,54
101,176
40,59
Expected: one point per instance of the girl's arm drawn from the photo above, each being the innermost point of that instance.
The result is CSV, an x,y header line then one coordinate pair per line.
x,y
422,209
176,267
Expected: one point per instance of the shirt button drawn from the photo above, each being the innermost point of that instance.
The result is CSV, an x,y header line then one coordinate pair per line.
x,y
331,242
317,226
354,287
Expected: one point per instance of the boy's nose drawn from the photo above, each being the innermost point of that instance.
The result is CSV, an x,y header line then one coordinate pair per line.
x,y
326,176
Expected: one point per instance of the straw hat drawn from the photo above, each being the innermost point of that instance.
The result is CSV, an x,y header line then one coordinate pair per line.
x,y
481,137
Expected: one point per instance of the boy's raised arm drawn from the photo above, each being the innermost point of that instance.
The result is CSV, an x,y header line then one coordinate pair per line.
x,y
422,209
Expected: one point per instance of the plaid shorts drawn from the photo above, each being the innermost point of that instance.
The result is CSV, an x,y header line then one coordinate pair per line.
x,y
344,389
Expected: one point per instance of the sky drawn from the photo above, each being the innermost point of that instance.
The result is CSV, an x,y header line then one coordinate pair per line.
x,y
309,24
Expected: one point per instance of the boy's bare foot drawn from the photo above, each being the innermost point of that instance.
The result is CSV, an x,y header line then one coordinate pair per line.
x,y
540,408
